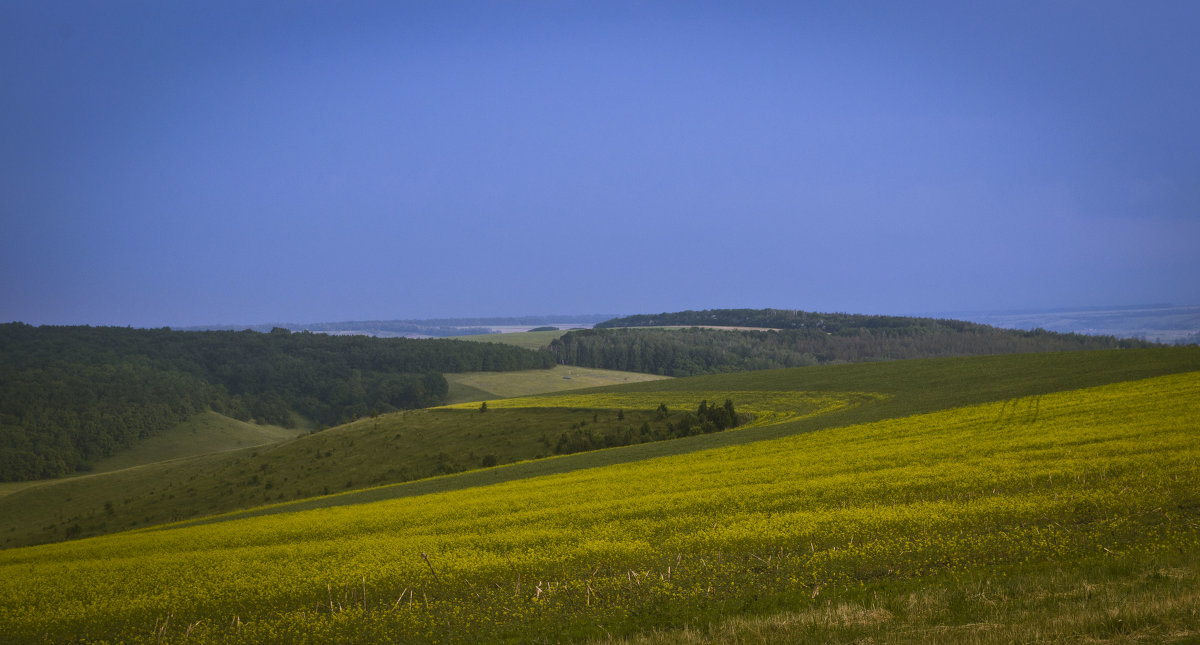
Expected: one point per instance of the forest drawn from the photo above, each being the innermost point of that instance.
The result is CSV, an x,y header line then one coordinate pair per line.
x,y
816,339
832,323
72,395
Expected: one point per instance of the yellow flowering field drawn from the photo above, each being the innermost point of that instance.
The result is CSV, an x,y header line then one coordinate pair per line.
x,y
1107,474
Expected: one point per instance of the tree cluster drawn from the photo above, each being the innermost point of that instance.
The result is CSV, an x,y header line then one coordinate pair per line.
x,y
71,395
668,425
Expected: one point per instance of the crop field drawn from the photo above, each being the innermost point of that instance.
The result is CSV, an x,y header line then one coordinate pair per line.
x,y
1069,515
479,386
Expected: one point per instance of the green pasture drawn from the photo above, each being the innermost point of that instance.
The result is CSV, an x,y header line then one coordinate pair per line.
x,y
205,433
524,339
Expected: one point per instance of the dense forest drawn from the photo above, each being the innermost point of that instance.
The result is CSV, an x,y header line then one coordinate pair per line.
x,y
815,339
72,395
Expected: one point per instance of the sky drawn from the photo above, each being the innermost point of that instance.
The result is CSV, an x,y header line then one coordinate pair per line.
x,y
220,162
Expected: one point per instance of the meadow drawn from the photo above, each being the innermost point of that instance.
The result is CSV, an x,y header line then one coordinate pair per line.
x,y
480,386
1066,514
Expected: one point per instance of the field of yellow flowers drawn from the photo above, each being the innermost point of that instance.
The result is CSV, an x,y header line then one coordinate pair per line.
x,y
1101,483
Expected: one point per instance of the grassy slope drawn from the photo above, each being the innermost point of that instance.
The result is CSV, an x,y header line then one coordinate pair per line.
x,y
203,434
198,482
1068,516
916,387
369,453
390,448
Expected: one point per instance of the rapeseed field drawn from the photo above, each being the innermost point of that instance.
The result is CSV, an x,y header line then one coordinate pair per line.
x,y
929,524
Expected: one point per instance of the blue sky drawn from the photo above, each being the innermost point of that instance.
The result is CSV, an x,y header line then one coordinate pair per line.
x,y
186,163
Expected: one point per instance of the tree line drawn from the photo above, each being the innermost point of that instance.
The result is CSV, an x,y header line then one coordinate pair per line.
x,y
694,351
72,395
830,323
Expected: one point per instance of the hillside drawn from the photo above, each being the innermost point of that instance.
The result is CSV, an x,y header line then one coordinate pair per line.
x,y
794,339
203,434
417,444
70,396
831,323
989,499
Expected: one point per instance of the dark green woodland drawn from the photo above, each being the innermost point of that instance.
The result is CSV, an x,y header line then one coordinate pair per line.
x,y
72,395
795,339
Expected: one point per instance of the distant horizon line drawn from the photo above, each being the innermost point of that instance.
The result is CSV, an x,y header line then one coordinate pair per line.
x,y
535,319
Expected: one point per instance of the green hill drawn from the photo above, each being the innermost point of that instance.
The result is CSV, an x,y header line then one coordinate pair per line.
x,y
71,396
418,444
205,433
987,499
362,454
675,351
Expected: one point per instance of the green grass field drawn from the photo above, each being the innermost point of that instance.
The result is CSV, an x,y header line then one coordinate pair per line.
x,y
991,499
204,434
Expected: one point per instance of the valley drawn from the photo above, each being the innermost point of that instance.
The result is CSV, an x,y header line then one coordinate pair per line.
x,y
842,501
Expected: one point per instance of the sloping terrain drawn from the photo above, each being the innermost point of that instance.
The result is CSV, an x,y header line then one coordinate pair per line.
x,y
355,460
1055,513
72,396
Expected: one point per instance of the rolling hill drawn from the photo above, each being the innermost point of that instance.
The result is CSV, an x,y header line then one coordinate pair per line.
x,y
986,499
72,396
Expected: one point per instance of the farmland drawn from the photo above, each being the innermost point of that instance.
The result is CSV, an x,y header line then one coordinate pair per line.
x,y
910,514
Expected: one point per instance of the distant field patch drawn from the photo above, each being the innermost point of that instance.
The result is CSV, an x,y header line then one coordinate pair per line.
x,y
525,339
557,379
